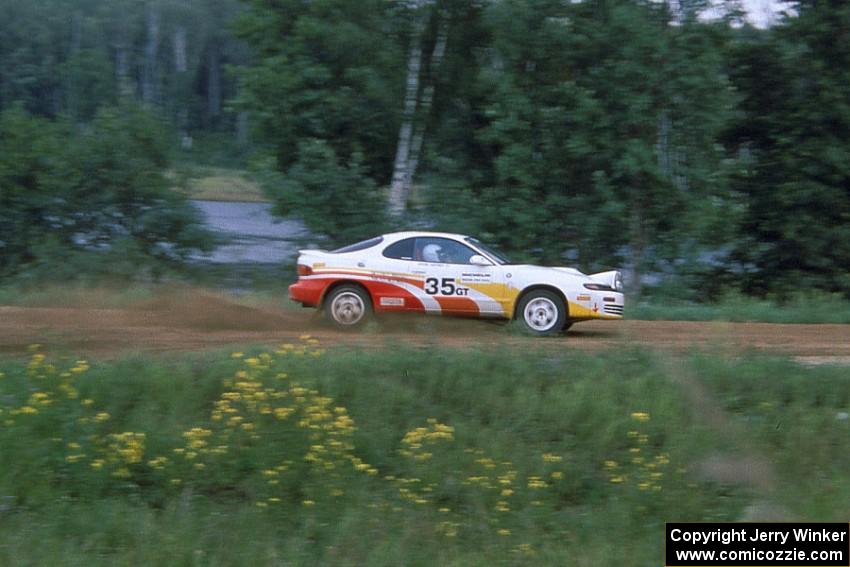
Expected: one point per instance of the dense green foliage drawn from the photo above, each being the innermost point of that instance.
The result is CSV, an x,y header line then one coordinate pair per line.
x,y
77,201
72,57
441,456
795,129
339,197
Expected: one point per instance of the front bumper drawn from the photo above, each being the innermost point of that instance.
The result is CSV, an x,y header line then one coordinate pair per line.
x,y
596,305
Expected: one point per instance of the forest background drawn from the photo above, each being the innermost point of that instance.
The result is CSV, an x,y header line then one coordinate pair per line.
x,y
704,155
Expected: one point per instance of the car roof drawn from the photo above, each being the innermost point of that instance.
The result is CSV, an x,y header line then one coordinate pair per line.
x,y
415,233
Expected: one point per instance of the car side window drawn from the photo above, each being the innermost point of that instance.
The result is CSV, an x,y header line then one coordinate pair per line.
x,y
401,250
442,250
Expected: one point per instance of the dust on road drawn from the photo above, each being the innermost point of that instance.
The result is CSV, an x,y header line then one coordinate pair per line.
x,y
191,320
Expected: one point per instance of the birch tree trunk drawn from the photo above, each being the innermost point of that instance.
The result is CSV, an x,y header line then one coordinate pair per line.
x,y
213,84
671,160
637,243
151,48
180,68
242,129
427,100
122,66
72,82
399,188
663,145
180,49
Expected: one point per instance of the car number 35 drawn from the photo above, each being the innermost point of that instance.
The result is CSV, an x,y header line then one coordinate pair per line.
x,y
446,286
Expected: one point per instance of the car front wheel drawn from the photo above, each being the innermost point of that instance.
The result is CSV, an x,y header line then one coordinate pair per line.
x,y
542,312
348,307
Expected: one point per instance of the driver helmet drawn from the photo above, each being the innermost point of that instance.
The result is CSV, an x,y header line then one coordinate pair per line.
x,y
431,253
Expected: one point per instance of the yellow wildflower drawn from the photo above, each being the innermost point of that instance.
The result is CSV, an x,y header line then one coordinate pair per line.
x,y
122,472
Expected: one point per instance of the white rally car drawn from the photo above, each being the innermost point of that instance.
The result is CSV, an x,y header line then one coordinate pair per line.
x,y
435,272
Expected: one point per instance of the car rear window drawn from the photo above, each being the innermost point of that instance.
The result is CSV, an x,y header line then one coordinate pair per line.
x,y
359,245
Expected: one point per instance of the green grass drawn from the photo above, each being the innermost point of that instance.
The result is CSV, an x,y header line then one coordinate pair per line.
x,y
814,308
799,418
75,295
218,184
266,294
559,431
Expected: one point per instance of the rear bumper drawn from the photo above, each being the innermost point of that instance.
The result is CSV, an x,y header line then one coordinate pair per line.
x,y
308,292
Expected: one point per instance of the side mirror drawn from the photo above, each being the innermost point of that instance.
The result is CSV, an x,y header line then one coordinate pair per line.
x,y
479,260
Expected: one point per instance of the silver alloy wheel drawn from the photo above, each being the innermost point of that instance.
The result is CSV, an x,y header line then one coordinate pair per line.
x,y
541,314
347,308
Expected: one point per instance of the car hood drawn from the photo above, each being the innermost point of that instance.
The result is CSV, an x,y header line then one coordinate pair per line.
x,y
543,272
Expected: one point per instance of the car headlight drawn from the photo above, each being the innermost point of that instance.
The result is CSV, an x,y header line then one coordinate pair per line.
x,y
598,287
618,281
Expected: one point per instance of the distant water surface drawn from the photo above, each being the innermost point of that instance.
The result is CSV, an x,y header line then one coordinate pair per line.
x,y
252,233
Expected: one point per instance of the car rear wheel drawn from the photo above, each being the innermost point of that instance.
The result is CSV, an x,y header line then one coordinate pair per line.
x,y
348,307
542,312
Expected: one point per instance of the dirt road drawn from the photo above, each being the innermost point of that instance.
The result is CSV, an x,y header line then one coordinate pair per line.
x,y
200,320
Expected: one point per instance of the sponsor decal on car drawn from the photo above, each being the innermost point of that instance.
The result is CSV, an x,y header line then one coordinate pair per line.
x,y
469,277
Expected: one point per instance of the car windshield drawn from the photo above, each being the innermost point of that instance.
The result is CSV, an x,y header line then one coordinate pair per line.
x,y
499,257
